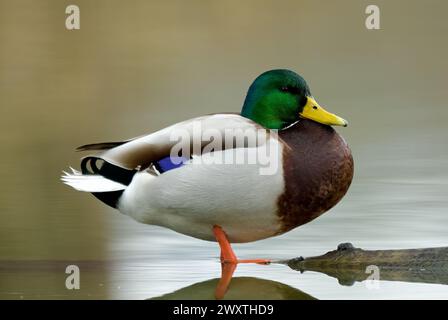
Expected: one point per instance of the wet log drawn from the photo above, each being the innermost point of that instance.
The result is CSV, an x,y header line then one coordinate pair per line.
x,y
349,264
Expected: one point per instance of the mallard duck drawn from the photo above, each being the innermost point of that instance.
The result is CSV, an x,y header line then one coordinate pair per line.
x,y
229,202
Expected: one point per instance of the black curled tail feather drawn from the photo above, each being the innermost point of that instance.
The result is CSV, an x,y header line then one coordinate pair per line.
x,y
110,172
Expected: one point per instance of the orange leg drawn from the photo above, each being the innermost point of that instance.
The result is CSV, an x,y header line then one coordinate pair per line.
x,y
227,254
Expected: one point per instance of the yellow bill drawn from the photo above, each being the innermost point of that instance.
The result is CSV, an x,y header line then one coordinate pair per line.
x,y
315,112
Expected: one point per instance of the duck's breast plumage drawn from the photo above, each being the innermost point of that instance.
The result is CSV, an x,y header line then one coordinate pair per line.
x,y
318,170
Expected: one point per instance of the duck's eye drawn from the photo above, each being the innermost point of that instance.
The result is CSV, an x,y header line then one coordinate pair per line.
x,y
314,107
291,90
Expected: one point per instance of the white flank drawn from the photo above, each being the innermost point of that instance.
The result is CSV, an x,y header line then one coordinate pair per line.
x,y
195,197
90,183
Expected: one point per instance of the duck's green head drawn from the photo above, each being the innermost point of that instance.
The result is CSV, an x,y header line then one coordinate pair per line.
x,y
278,98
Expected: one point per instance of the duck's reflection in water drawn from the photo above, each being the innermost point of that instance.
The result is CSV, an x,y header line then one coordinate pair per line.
x,y
238,288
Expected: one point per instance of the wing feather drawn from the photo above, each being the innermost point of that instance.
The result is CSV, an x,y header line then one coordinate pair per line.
x,y
142,151
100,146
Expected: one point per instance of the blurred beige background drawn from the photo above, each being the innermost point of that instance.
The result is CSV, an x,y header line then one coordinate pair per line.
x,y
138,66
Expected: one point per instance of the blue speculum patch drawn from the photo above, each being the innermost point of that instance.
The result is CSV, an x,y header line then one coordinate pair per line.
x,y
170,163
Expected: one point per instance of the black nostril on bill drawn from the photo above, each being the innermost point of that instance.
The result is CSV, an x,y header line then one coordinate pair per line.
x,y
314,107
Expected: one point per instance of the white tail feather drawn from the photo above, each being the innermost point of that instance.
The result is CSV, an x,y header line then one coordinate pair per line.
x,y
90,182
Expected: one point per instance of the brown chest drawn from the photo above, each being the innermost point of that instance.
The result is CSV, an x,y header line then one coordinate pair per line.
x,y
318,170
